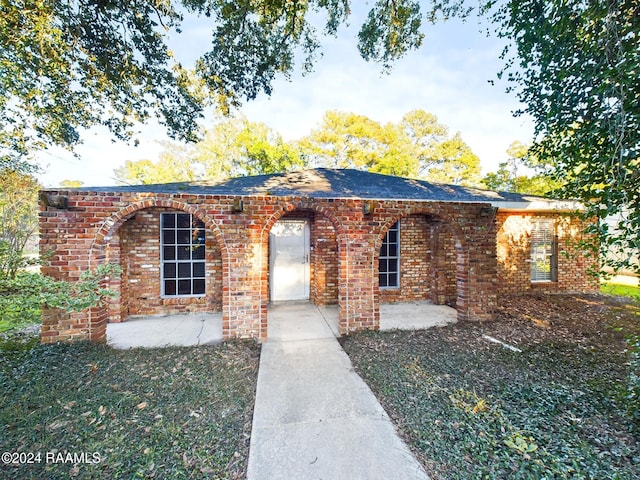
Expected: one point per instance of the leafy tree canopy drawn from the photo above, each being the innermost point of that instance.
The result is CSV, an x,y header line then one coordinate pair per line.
x,y
231,148
575,67
510,176
18,216
417,147
71,183
69,65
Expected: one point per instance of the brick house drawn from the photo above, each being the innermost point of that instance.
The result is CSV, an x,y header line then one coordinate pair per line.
x,y
345,237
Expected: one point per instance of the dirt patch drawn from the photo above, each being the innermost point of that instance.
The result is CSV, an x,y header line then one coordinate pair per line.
x,y
588,319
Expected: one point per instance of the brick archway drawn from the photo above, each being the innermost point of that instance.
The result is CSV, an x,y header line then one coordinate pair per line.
x,y
437,289
99,254
292,209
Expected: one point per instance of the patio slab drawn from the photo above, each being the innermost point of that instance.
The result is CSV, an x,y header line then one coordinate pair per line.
x,y
415,315
183,330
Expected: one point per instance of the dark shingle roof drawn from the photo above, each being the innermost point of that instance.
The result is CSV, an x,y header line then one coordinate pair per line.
x,y
331,183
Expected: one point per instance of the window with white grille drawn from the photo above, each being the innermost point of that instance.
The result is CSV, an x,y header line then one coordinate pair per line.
x,y
543,252
182,244
389,260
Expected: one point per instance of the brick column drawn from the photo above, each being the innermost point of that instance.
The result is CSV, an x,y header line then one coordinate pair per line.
x,y
244,310
477,268
359,309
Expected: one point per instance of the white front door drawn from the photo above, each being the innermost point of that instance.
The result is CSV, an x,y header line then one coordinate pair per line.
x,y
289,260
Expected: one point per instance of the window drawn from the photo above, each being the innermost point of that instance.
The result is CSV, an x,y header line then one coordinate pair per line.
x,y
182,255
543,252
389,261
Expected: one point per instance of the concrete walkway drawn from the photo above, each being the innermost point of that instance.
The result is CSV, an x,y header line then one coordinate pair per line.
x,y
314,417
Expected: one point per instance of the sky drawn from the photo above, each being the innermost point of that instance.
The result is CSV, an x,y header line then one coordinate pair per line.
x,y
449,76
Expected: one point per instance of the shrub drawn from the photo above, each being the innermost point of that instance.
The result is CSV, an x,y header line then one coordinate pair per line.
x,y
24,293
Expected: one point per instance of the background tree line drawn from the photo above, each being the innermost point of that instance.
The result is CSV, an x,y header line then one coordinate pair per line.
x,y
417,146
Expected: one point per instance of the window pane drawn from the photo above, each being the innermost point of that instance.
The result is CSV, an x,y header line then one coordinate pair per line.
x,y
184,253
184,237
168,237
382,280
393,280
169,270
184,287
198,287
197,253
184,220
393,250
169,287
382,265
198,237
198,269
184,270
169,253
168,220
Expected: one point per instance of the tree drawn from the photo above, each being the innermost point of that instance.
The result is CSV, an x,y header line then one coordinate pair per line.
x,y
509,177
417,147
173,165
441,158
231,148
348,140
574,65
71,183
18,217
69,65
65,66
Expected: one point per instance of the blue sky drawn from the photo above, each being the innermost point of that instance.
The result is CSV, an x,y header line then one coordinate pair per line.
x,y
449,77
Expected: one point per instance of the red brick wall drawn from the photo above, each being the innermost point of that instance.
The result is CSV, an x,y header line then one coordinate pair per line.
x,y
514,252
140,291
427,263
100,227
324,262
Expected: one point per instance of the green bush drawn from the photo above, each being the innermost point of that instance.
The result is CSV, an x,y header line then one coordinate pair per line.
x,y
24,293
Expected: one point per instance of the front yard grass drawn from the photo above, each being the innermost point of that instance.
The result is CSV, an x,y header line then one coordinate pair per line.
x,y
473,409
623,290
163,413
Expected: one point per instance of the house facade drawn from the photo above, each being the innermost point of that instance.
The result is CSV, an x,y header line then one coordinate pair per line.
x,y
343,237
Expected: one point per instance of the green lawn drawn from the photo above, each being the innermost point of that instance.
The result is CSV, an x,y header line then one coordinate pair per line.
x,y
621,290
163,413
472,409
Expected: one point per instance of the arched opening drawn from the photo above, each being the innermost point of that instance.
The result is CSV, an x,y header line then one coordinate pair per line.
x,y
315,259
155,268
170,264
420,259
303,265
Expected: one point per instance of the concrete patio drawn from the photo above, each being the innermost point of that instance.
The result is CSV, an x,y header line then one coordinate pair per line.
x,y
193,329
